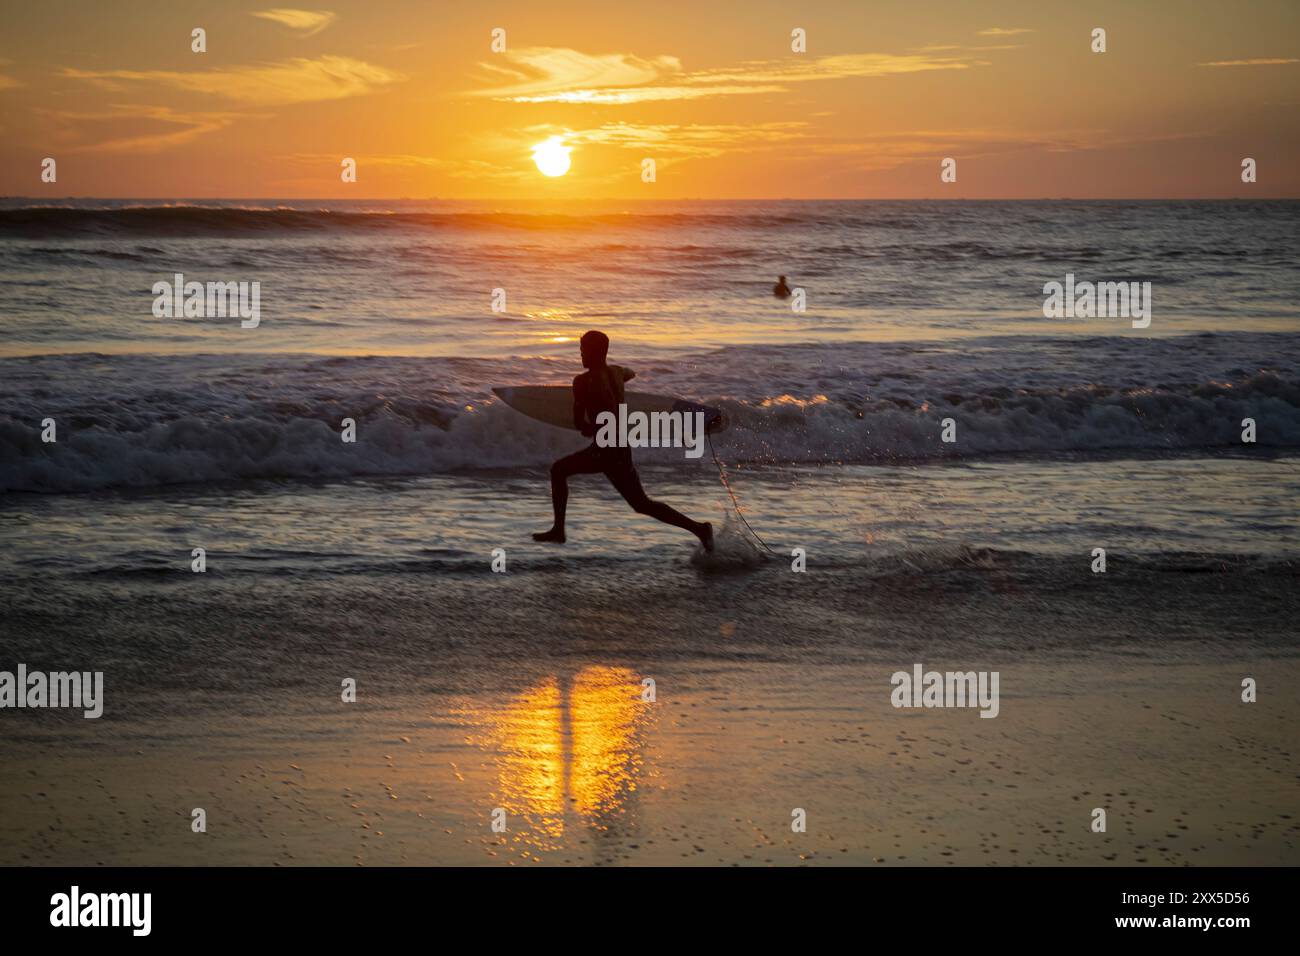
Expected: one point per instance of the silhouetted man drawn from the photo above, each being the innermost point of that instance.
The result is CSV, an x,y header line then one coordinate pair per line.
x,y
600,389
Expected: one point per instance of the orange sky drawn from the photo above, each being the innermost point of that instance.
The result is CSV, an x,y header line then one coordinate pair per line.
x,y
711,91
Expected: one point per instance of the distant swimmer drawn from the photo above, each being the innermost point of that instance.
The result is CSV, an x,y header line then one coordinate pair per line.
x,y
781,290
600,389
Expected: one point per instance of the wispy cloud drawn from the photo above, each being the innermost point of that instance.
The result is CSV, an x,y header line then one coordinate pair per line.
x,y
1257,61
692,140
475,170
964,48
298,80
1003,31
892,150
560,75
538,71
304,22
177,128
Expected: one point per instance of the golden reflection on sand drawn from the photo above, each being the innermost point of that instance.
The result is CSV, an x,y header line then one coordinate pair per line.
x,y
569,754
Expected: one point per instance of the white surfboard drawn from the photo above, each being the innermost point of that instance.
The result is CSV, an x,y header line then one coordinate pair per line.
x,y
553,404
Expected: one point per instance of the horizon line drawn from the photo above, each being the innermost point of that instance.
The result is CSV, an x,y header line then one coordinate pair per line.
x,y
614,199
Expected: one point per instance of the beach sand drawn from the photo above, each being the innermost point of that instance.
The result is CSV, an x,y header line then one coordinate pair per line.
x,y
772,693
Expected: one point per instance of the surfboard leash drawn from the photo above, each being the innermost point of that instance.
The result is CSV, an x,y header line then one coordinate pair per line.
x,y
722,474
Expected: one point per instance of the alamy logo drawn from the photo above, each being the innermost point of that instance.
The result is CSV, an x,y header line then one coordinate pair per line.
x,y
103,909
651,430
1101,300
55,689
950,689
212,300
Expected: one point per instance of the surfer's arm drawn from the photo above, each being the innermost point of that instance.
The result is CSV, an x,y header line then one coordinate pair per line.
x,y
580,409
628,374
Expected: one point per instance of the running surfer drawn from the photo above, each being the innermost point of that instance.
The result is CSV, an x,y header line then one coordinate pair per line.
x,y
600,389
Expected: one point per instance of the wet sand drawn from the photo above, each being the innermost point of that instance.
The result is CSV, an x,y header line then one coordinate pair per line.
x,y
589,773
757,722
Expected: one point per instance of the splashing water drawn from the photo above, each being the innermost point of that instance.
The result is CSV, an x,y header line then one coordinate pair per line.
x,y
733,548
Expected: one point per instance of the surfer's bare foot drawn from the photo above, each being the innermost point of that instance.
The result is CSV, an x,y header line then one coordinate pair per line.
x,y
706,536
555,536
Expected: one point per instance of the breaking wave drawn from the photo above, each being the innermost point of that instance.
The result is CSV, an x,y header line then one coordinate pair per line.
x,y
143,421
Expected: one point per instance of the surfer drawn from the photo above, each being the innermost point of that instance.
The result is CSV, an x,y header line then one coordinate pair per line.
x,y
781,290
600,389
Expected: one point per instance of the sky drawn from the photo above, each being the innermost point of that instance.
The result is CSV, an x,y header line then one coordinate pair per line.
x,y
712,92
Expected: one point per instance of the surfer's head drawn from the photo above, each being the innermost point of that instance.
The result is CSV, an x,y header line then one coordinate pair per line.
x,y
595,346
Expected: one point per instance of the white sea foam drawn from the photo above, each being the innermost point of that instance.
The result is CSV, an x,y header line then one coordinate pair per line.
x,y
157,420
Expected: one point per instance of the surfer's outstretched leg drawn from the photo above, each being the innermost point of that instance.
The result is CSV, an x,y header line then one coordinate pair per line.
x,y
628,483
579,463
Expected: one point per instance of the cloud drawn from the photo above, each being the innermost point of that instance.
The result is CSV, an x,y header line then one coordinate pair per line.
x,y
645,94
304,22
298,80
1257,61
540,71
695,140
476,170
191,126
559,75
890,151
954,47
1003,32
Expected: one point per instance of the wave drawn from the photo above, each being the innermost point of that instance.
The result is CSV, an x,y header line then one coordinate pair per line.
x,y
158,436
22,219
199,220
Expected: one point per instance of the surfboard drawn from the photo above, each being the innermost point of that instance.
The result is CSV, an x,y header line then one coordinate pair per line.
x,y
553,404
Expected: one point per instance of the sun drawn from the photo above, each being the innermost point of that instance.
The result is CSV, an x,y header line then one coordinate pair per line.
x,y
552,157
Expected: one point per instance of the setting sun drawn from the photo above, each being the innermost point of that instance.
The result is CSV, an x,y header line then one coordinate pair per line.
x,y
552,157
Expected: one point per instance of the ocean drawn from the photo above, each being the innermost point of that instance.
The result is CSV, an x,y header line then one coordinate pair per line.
x,y
374,559
1069,433
916,312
